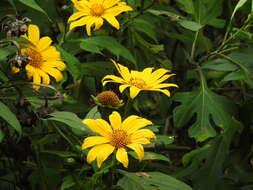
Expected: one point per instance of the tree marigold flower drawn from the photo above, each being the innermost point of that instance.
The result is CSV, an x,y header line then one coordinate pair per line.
x,y
117,136
44,59
138,81
92,12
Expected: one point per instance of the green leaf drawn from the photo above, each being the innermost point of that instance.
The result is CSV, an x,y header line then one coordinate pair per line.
x,y
219,65
69,119
164,139
68,182
238,6
72,62
151,156
191,25
108,43
207,11
33,4
10,118
6,51
150,181
207,106
145,27
213,159
187,6
93,113
171,15
96,69
187,158
243,60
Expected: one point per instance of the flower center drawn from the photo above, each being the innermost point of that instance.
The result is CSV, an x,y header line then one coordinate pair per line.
x,y
97,10
36,58
139,83
108,98
119,139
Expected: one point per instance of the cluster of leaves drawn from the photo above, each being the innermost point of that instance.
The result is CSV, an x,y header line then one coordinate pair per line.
x,y
204,132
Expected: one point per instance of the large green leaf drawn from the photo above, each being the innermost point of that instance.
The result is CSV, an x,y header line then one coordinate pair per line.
x,y
243,61
108,43
34,5
96,69
150,181
69,119
206,12
207,106
72,62
10,118
187,6
208,162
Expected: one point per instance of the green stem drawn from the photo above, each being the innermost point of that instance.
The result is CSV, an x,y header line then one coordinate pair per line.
x,y
194,45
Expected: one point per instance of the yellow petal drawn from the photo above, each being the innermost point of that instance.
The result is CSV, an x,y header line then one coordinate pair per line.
x,y
122,157
111,78
33,34
50,54
123,87
81,5
99,126
29,71
165,85
57,64
138,149
15,69
134,91
89,24
44,76
95,140
81,22
159,73
163,78
109,3
98,23
36,80
44,43
103,155
146,133
76,15
133,123
166,92
141,141
93,153
112,20
123,71
115,120
53,72
114,11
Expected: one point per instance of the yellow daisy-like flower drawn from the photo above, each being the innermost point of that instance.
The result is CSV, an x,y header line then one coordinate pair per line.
x,y
45,59
92,12
138,81
117,136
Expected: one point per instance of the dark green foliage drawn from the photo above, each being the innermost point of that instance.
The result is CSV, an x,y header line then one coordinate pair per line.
x,y
204,130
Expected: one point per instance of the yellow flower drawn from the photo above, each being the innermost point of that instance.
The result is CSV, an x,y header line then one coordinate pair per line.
x,y
138,81
117,136
92,12
45,59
